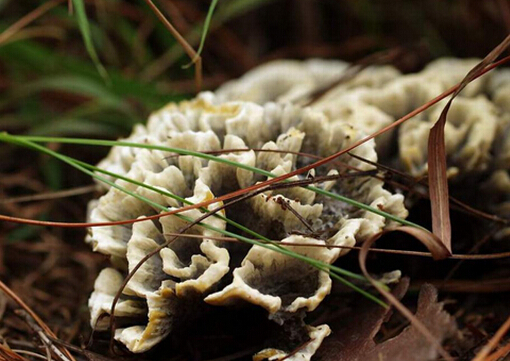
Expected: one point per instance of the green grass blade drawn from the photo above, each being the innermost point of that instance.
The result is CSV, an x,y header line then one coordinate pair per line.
x,y
220,160
359,290
83,23
235,224
171,195
207,23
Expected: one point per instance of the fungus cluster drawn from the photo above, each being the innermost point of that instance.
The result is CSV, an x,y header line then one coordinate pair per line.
x,y
202,269
271,119
476,132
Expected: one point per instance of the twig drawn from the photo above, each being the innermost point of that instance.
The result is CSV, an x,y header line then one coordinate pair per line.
x,y
42,335
34,316
286,206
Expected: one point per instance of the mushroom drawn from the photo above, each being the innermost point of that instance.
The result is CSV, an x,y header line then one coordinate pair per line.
x,y
192,272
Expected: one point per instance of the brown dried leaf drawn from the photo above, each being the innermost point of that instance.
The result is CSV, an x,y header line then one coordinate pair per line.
x,y
352,336
353,340
438,181
438,250
410,345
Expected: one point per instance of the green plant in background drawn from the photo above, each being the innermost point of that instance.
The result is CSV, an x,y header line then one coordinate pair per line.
x,y
81,72
118,88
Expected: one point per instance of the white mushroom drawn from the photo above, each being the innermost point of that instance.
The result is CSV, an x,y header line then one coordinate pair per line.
x,y
268,137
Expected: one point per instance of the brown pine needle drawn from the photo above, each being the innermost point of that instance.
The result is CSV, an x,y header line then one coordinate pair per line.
x,y
32,314
502,352
51,195
7,354
193,55
27,19
493,342
436,247
467,257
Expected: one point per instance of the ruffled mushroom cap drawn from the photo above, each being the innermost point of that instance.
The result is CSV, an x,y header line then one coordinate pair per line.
x,y
267,137
277,282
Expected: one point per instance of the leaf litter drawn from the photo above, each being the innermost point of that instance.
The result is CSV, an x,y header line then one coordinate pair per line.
x,y
353,337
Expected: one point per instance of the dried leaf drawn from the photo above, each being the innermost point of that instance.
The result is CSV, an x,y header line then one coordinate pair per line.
x,y
410,345
353,340
352,336
438,181
439,251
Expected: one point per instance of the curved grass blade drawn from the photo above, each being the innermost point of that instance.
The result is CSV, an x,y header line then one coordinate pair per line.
x,y
205,30
437,248
83,23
